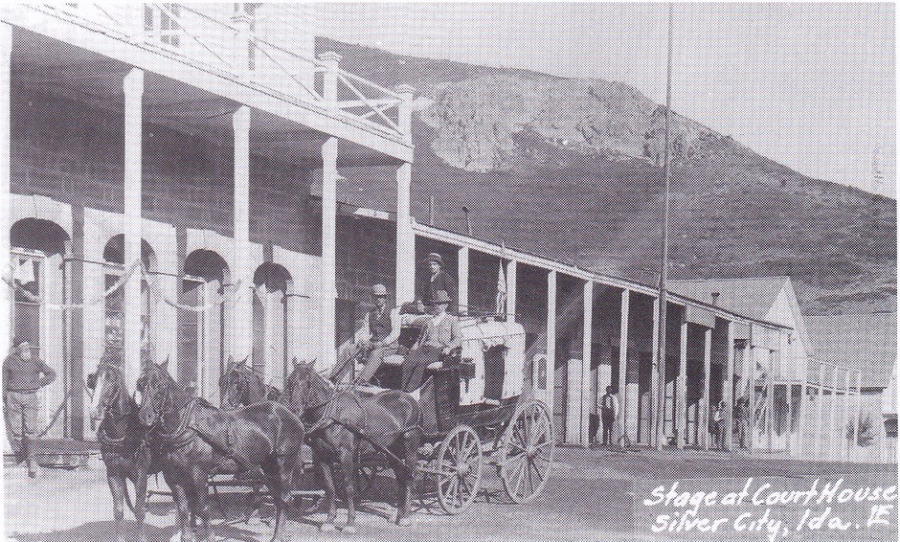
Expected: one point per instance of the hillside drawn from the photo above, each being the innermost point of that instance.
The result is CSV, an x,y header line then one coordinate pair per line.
x,y
570,168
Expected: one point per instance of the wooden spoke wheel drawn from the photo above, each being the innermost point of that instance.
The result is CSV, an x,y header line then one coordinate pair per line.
x,y
526,454
459,463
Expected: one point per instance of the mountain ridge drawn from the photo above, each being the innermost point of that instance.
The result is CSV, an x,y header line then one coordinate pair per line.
x,y
570,169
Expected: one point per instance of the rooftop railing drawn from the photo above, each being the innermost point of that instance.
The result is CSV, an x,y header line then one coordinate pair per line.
x,y
232,48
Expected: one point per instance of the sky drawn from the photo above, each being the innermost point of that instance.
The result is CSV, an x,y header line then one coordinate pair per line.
x,y
811,86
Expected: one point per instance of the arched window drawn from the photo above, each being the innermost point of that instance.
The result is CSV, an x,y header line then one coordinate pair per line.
x,y
114,257
201,333
38,249
271,340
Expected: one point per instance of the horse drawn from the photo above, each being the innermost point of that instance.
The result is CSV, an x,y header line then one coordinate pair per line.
x,y
239,386
199,440
123,444
344,425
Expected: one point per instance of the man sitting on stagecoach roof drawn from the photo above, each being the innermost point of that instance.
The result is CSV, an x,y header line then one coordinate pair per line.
x,y
438,280
384,329
440,337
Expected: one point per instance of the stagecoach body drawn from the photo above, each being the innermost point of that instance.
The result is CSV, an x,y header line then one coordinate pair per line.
x,y
478,410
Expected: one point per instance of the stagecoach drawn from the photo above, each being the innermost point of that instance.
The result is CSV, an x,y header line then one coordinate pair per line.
x,y
479,414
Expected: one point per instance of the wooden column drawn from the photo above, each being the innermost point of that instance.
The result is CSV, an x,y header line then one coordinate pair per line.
x,y
846,414
832,438
770,397
752,352
802,416
551,341
728,385
406,241
587,342
511,292
788,427
703,419
462,278
242,320
328,278
857,417
6,300
655,368
623,360
819,410
134,92
681,386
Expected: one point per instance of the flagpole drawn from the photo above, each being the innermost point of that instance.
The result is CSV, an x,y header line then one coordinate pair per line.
x,y
664,264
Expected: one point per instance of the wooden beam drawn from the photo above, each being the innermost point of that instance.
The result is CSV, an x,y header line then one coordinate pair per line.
x,y
133,86
704,402
511,292
242,321
832,439
328,278
819,410
655,368
770,398
623,360
587,343
406,241
551,343
681,387
752,352
462,278
728,386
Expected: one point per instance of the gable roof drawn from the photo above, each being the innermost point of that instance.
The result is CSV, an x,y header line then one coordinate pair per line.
x,y
752,297
867,342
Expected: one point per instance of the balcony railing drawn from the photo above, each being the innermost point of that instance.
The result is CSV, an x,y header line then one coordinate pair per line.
x,y
232,48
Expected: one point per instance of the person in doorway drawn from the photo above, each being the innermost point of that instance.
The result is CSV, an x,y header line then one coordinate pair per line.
x,y
440,337
438,280
742,419
608,406
719,425
23,376
384,329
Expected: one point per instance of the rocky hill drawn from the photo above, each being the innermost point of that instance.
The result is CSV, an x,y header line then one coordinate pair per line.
x,y
571,168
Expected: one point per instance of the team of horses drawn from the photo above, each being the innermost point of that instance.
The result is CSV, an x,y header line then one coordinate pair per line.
x,y
256,433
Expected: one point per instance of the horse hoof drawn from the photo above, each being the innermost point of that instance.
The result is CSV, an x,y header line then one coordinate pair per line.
x,y
404,522
349,529
327,528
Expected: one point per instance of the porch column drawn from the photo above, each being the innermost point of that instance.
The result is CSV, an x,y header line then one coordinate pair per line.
x,y
846,409
587,338
6,300
788,432
551,340
654,380
133,86
833,417
681,385
819,409
802,405
770,397
728,387
857,409
462,279
328,288
704,401
623,359
242,319
406,241
511,292
751,353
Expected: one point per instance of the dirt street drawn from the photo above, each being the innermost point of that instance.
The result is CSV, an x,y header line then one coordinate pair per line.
x,y
589,497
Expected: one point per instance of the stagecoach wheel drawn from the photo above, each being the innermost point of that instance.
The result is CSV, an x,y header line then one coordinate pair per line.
x,y
459,469
526,455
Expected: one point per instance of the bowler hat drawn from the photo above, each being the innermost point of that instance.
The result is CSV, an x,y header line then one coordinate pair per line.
x,y
441,296
379,290
434,257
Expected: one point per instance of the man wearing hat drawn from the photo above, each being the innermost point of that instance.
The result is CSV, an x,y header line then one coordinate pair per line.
x,y
440,337
438,279
23,376
384,328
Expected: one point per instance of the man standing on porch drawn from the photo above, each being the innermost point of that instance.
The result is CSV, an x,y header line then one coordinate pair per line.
x,y
438,279
608,405
23,376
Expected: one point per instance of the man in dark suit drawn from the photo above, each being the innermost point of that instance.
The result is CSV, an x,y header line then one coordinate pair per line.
x,y
438,280
384,329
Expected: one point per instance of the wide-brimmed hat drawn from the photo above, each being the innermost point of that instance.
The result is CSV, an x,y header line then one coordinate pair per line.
x,y
379,290
434,257
19,341
440,296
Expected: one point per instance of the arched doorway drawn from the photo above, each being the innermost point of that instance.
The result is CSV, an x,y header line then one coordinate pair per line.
x,y
271,340
114,260
201,332
38,275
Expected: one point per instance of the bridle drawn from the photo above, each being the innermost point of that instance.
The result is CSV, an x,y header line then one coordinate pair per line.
x,y
242,386
306,396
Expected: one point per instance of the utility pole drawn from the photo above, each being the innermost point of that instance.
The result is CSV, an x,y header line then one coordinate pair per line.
x,y
664,264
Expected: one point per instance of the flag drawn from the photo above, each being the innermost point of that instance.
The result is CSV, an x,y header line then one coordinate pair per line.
x,y
501,290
